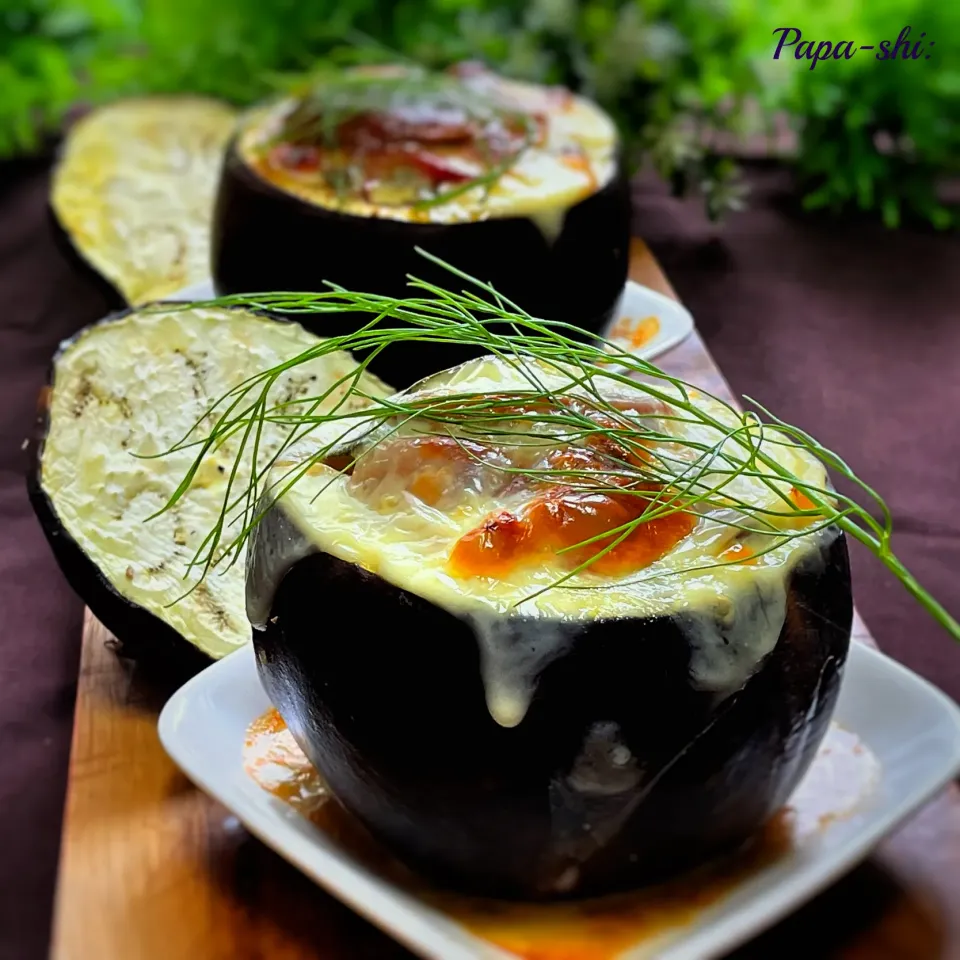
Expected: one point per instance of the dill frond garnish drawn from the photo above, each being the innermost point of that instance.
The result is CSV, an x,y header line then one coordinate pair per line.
x,y
697,453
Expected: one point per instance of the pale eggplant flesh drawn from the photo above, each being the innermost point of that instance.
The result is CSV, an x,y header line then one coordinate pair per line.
x,y
121,392
566,751
133,192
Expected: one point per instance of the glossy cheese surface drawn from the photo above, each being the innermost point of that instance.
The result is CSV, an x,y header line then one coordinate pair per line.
x,y
399,536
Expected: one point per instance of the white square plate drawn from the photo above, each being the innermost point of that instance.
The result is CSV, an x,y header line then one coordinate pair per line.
x,y
911,728
670,323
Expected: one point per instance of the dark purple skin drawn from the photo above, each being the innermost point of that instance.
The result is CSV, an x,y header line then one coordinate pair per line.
x,y
383,691
138,633
115,300
266,239
64,242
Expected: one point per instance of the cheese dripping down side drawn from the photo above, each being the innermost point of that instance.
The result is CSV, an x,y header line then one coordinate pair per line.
x,y
510,663
730,615
729,629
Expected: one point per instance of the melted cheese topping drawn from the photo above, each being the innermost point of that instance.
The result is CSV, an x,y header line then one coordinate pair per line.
x,y
576,158
135,187
732,615
137,385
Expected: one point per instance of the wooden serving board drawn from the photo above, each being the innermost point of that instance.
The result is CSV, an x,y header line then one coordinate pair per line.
x,y
152,869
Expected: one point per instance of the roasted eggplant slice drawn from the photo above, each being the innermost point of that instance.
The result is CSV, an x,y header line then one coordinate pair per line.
x,y
518,185
134,191
506,734
131,386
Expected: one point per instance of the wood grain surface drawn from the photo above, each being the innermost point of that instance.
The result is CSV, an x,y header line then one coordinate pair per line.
x,y
152,869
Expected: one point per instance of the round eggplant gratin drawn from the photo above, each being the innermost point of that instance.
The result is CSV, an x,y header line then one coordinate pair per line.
x,y
134,191
519,185
128,388
539,684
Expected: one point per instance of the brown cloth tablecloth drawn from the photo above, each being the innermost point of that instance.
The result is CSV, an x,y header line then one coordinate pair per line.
x,y
840,327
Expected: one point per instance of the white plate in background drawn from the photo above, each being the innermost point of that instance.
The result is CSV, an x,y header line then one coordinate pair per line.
x,y
645,322
673,321
911,727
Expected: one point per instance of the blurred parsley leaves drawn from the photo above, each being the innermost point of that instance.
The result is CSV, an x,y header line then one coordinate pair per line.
x,y
679,76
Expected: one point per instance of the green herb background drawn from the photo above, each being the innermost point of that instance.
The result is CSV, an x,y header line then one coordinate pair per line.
x,y
681,77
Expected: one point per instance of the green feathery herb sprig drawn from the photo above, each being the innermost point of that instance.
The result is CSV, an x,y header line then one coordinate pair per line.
x,y
571,394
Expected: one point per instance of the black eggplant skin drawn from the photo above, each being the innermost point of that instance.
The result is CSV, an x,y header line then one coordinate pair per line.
x,y
113,298
383,691
266,239
138,633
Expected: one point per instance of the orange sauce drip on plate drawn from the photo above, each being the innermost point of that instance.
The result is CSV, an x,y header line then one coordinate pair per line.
x,y
635,334
842,775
